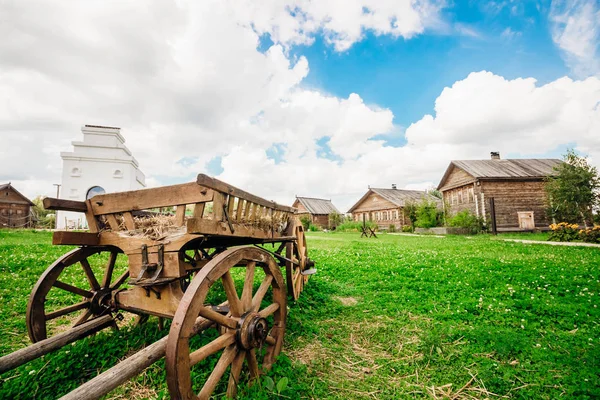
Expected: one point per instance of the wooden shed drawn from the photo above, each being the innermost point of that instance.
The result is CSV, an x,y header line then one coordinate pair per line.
x,y
386,206
15,209
517,186
317,210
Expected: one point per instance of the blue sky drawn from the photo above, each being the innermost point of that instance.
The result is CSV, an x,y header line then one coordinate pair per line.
x,y
407,75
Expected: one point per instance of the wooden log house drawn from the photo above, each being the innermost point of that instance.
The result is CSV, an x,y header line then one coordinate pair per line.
x,y
317,210
517,186
385,207
15,209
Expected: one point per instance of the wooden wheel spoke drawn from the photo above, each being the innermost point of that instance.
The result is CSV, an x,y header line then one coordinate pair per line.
x,y
252,364
83,317
120,280
235,304
271,340
90,274
73,289
109,269
67,310
220,319
260,293
211,348
210,384
248,286
234,376
269,310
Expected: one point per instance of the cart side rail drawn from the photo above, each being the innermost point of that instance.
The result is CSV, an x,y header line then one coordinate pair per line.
x,y
234,212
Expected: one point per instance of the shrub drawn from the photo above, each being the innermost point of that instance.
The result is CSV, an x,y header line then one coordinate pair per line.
x,y
466,220
392,228
590,235
313,228
563,232
305,222
407,228
354,226
428,215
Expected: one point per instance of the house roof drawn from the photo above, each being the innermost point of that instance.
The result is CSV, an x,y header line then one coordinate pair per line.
x,y
399,197
9,186
504,169
317,206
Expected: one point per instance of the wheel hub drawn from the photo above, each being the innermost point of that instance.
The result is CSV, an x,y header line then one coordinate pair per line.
x,y
252,331
100,302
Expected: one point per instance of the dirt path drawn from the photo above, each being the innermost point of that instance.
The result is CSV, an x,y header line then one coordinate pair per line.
x,y
579,244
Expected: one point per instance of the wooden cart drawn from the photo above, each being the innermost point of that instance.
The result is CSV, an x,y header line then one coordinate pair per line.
x,y
197,266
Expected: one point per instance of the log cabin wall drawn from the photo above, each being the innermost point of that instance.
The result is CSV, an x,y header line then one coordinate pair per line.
x,y
463,198
14,209
381,211
512,197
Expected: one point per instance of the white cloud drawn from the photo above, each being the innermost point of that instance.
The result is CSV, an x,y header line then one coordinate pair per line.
x,y
576,30
188,83
342,22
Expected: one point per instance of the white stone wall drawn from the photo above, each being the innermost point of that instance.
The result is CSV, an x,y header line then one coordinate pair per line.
x,y
101,159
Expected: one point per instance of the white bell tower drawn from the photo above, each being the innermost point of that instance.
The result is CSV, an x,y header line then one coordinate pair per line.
x,y
101,163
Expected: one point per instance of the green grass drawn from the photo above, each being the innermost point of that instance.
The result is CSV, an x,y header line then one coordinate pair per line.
x,y
387,318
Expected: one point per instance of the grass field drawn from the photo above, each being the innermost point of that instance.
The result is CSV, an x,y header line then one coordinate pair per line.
x,y
387,318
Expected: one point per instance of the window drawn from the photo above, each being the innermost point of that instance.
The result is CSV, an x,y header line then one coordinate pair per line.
x,y
118,174
75,171
460,196
93,191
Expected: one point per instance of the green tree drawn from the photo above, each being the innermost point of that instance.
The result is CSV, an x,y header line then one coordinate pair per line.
x,y
573,191
335,219
428,215
410,210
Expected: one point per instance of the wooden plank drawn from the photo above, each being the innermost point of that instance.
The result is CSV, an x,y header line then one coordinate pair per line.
x,y
144,199
91,219
212,183
64,205
210,227
230,205
199,210
240,208
129,223
112,222
75,238
180,215
218,201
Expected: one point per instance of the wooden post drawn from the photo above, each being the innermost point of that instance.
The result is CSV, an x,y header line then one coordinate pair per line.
x,y
127,369
493,216
20,357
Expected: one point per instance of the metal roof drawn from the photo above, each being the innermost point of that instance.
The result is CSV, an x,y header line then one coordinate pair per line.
x,y
317,206
399,197
505,169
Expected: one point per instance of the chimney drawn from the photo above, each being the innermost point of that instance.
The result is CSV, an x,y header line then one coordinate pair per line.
x,y
495,155
394,186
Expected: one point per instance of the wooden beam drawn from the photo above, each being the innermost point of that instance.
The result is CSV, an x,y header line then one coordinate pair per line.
x,y
127,369
144,199
212,183
211,227
75,238
180,215
20,357
64,205
129,222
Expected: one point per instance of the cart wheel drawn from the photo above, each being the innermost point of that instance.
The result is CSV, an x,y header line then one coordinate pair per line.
x,y
59,294
297,252
246,330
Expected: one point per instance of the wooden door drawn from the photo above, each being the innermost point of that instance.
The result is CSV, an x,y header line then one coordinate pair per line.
x,y
526,220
